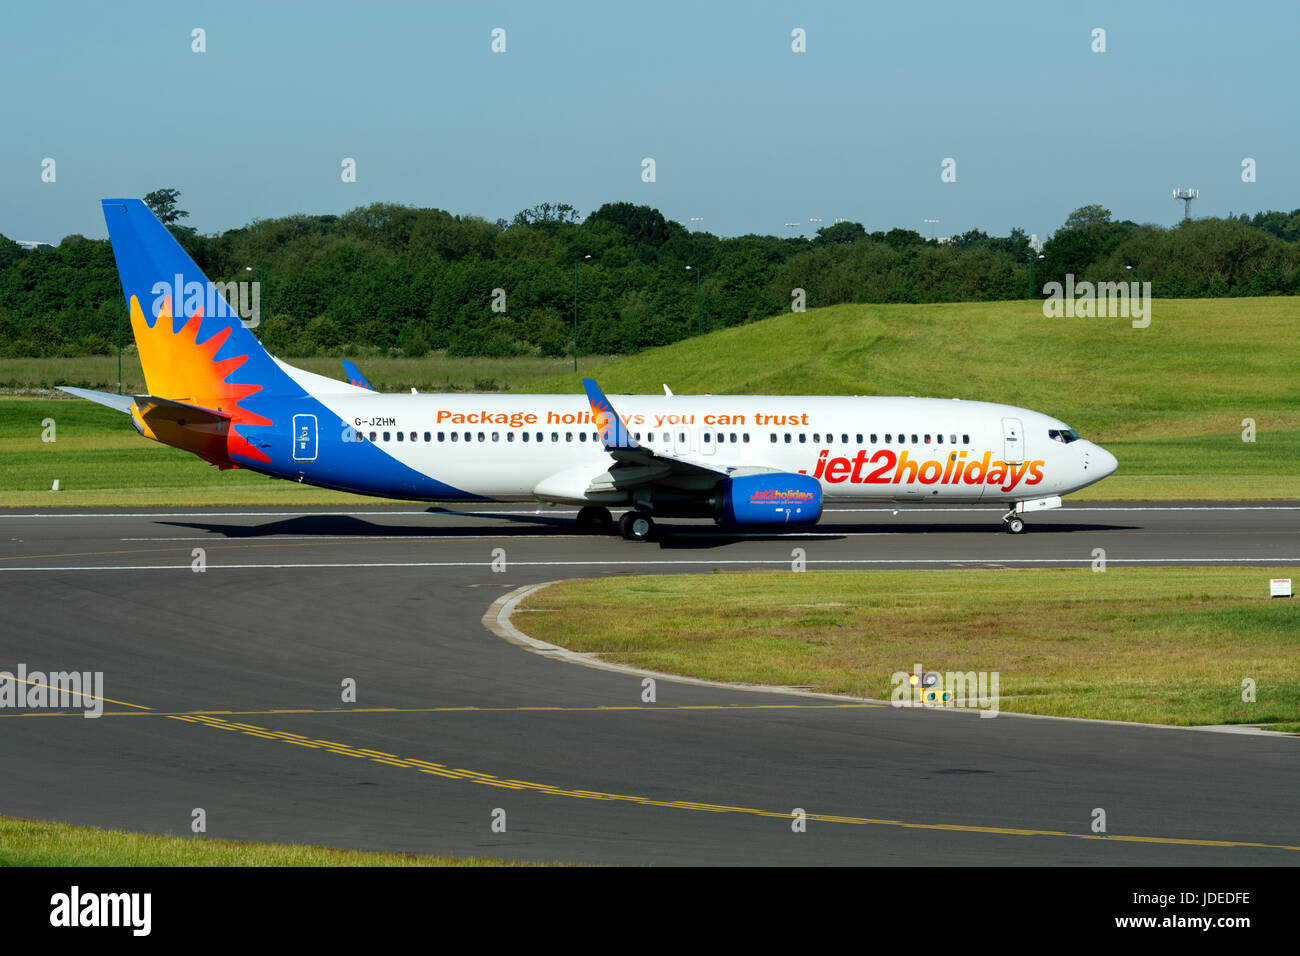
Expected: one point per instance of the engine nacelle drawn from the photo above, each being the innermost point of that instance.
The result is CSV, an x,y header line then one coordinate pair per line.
x,y
777,498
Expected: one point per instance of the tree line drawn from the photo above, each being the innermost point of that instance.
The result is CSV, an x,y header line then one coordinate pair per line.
x,y
393,278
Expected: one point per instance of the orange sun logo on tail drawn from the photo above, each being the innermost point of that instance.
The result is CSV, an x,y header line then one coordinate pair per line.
x,y
179,367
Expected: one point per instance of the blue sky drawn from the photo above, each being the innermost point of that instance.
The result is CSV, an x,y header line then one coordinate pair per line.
x,y
745,133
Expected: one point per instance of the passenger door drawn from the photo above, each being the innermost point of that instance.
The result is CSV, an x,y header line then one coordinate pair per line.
x,y
1013,441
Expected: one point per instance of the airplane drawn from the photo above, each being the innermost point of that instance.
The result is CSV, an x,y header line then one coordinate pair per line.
x,y
745,461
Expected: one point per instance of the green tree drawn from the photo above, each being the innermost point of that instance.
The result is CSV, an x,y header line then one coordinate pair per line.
x,y
1086,217
162,202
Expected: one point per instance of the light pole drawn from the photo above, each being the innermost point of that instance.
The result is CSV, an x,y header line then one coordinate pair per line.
x,y
699,314
575,311
695,219
933,223
261,291
119,339
1138,271
1030,293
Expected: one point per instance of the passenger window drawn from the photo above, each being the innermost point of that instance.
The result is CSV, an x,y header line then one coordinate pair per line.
x,y
914,440
889,438
524,436
582,436
415,436
927,439
817,438
540,436
510,436
773,434
952,439
802,438
940,438
746,437
568,436
707,439
454,436
496,436
965,439
555,436
386,434
787,438
372,436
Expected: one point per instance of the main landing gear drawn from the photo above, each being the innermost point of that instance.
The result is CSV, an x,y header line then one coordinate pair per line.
x,y
593,520
636,526
1012,523
633,525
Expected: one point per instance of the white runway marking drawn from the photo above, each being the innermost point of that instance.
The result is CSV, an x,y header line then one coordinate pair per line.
x,y
671,563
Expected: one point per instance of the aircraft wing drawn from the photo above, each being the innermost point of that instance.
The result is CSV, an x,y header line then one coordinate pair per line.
x,y
636,465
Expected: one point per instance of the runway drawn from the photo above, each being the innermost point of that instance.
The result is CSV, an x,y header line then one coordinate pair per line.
x,y
225,695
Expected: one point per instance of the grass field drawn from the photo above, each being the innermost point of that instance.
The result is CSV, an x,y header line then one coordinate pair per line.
x,y
1157,645
32,843
436,372
1168,400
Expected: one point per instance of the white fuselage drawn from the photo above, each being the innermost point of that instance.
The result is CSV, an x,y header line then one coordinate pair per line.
x,y
527,447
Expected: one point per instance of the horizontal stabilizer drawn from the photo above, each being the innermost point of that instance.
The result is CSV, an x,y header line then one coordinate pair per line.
x,y
121,403
152,408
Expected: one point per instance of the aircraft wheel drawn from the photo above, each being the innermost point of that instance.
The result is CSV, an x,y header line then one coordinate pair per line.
x,y
1014,524
636,526
593,520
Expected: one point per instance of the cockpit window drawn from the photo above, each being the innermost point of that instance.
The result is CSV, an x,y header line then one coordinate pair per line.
x,y
1064,435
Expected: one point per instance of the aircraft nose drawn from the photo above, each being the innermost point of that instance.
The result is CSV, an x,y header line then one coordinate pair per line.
x,y
1106,462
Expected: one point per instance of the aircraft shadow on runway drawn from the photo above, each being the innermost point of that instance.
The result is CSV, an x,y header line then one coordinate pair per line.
x,y
670,537
338,525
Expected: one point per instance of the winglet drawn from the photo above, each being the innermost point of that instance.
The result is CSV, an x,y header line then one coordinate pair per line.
x,y
613,431
355,377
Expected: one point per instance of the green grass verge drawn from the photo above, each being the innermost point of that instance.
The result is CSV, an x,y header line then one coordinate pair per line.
x,y
1168,400
33,843
1157,645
